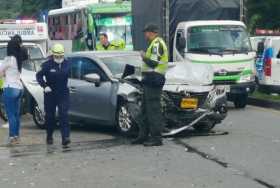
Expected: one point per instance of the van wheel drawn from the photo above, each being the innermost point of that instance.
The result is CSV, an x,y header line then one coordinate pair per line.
x,y
240,101
38,117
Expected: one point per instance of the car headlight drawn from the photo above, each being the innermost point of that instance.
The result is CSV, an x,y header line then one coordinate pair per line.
x,y
246,78
133,97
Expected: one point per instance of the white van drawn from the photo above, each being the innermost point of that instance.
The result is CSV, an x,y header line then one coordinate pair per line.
x,y
30,31
268,66
226,46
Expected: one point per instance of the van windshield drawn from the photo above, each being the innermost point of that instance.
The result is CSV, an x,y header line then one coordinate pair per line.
x,y
33,51
218,39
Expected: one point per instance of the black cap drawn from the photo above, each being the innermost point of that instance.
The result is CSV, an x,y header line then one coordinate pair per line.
x,y
151,28
17,38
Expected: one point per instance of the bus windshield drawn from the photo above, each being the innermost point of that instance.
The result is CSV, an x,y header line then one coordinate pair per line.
x,y
218,39
117,28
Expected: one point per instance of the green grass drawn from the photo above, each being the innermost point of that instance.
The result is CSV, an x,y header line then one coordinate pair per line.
x,y
265,96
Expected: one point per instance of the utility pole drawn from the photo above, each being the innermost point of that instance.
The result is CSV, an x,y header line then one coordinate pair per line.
x,y
242,10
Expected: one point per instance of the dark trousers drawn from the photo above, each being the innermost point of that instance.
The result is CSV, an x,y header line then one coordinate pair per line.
x,y
51,101
152,121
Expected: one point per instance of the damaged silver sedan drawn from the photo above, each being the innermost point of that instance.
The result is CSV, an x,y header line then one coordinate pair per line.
x,y
104,92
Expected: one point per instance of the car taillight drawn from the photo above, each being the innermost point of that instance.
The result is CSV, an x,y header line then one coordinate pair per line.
x,y
267,67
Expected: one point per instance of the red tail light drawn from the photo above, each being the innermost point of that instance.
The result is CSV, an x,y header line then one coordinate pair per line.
x,y
267,67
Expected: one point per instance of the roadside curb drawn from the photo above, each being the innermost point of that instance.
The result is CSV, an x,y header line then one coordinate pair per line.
x,y
264,103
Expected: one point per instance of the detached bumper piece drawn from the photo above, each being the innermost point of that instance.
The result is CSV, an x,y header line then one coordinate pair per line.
x,y
217,116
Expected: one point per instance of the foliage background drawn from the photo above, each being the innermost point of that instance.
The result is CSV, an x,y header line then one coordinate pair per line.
x,y
263,14
259,13
11,9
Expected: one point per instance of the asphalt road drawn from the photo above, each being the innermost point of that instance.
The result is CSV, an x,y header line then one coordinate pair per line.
x,y
244,152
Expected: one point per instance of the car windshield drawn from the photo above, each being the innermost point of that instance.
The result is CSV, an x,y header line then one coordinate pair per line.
x,y
117,64
218,38
33,51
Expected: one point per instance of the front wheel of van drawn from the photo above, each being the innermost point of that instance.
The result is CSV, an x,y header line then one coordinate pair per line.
x,y
240,101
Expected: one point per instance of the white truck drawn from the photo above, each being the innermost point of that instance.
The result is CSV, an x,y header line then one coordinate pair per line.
x,y
202,32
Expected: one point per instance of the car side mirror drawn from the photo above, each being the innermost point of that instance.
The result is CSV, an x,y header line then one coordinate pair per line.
x,y
93,78
182,43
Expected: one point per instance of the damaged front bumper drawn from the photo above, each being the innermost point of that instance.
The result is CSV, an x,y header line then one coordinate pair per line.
x,y
211,107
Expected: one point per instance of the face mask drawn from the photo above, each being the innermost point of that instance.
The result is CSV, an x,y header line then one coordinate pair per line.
x,y
58,60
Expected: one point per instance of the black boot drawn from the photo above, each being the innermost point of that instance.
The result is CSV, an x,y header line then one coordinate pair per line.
x,y
49,140
139,140
66,142
153,141
142,136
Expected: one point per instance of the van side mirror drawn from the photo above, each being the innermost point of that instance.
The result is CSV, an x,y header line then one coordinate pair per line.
x,y
93,78
182,43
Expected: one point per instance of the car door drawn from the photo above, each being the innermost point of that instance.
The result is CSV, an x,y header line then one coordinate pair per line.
x,y
88,101
28,78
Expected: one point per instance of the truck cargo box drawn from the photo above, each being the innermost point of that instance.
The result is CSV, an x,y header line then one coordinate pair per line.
x,y
168,13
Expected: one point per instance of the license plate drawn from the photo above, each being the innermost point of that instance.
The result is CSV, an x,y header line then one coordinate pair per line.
x,y
189,103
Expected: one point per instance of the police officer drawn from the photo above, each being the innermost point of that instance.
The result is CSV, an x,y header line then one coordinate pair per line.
x,y
104,43
153,73
53,77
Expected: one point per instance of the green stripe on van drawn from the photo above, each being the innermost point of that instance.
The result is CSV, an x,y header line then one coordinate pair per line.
x,y
224,62
234,77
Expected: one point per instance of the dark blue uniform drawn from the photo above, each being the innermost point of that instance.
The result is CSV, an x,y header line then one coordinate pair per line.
x,y
55,76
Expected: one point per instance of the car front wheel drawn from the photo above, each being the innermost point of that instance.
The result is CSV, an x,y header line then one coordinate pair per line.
x,y
38,117
3,113
125,124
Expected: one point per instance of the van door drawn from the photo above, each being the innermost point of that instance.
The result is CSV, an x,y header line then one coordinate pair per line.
x,y
179,50
275,70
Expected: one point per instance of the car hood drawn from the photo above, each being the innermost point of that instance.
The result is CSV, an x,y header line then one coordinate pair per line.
x,y
183,73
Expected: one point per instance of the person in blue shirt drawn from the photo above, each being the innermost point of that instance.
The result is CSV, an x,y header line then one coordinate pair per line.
x,y
53,77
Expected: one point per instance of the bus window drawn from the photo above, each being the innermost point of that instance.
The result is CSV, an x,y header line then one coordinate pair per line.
x,y
75,18
66,20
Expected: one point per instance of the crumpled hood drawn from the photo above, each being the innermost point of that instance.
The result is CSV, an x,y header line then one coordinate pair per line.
x,y
189,74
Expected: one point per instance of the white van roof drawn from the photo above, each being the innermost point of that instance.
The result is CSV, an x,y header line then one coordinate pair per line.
x,y
188,24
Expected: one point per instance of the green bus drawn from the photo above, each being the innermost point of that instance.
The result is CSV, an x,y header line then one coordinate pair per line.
x,y
78,27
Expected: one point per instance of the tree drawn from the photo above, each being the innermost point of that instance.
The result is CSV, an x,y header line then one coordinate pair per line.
x,y
10,9
263,14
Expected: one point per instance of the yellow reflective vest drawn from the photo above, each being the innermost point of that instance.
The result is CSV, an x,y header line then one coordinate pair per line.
x,y
158,52
114,45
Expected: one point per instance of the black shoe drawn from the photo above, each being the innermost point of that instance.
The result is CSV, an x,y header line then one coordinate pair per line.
x,y
139,140
66,142
153,142
49,141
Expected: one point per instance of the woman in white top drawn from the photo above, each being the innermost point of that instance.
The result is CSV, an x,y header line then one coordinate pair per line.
x,y
10,69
